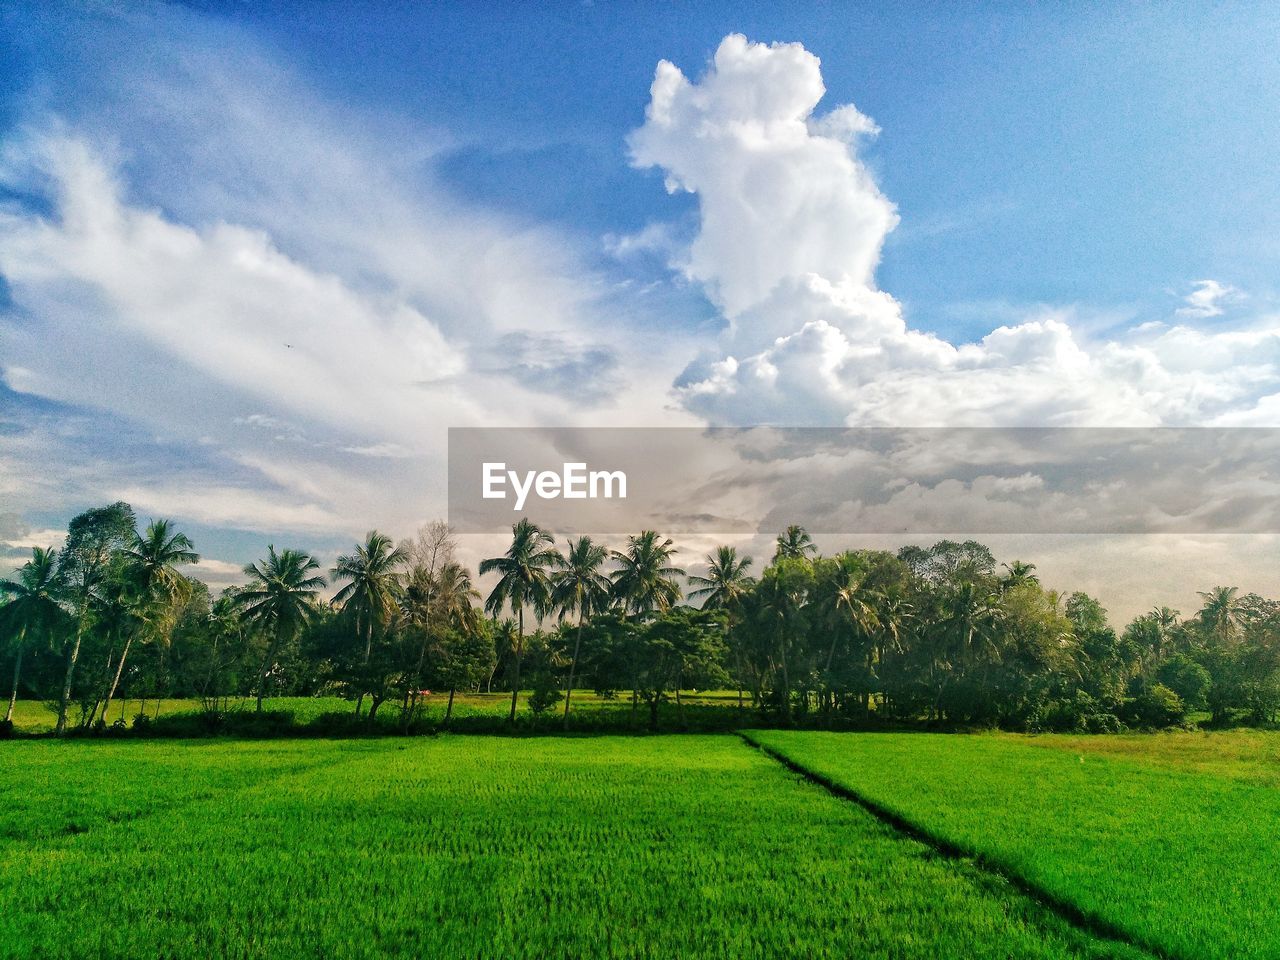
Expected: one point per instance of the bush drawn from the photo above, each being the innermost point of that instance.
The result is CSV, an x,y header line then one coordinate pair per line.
x,y
1157,707
1081,713
6,729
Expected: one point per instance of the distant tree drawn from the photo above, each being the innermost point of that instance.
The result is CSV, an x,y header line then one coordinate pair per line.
x,y
1017,574
644,581
32,613
794,543
679,646
723,588
93,539
156,585
580,587
524,580
369,597
279,600
467,658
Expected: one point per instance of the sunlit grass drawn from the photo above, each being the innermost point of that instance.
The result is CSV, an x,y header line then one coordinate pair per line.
x,y
1183,860
475,847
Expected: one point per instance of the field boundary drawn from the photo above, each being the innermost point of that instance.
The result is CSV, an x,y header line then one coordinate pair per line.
x,y
1062,908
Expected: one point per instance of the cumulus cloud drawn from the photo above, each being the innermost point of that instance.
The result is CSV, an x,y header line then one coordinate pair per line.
x,y
792,226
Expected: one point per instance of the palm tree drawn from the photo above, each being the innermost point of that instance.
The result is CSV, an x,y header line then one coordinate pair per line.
x,y
794,543
726,580
369,598
153,559
32,612
279,600
579,587
1222,613
723,588
644,581
370,594
1018,574
859,602
523,581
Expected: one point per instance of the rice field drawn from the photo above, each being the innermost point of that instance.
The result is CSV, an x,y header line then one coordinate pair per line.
x,y
695,846
1170,840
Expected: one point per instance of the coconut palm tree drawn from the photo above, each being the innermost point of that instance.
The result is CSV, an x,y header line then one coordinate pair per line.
x,y
1223,613
279,600
794,543
580,587
1018,573
369,597
859,602
373,583
726,580
157,586
723,588
523,581
644,582
32,612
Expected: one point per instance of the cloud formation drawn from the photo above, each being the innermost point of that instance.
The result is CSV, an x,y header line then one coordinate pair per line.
x,y
792,226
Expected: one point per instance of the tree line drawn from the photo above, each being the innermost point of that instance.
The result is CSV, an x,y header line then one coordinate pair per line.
x,y
939,635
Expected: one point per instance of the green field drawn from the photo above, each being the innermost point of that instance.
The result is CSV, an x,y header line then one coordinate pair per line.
x,y
1170,839
474,846
697,846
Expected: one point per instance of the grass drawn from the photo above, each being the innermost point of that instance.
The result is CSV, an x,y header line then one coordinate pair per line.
x,y
1173,850
1252,756
695,846
704,710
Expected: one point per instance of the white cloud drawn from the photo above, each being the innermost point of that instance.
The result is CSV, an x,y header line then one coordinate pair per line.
x,y
1207,299
281,284
781,193
792,225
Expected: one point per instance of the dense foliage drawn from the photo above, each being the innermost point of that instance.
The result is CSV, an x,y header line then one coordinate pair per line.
x,y
939,635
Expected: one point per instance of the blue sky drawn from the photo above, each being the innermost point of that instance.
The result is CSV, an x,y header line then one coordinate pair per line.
x,y
467,203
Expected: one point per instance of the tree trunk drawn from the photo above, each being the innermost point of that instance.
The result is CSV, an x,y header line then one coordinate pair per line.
x,y
786,688
653,714
515,684
448,710
267,660
679,702
115,682
573,666
17,675
73,654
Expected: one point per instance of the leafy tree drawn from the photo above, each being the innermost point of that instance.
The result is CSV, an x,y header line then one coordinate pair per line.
x,y
279,600
679,646
93,539
467,658
523,581
32,613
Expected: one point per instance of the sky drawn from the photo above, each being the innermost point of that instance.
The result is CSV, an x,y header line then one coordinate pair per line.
x,y
255,259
